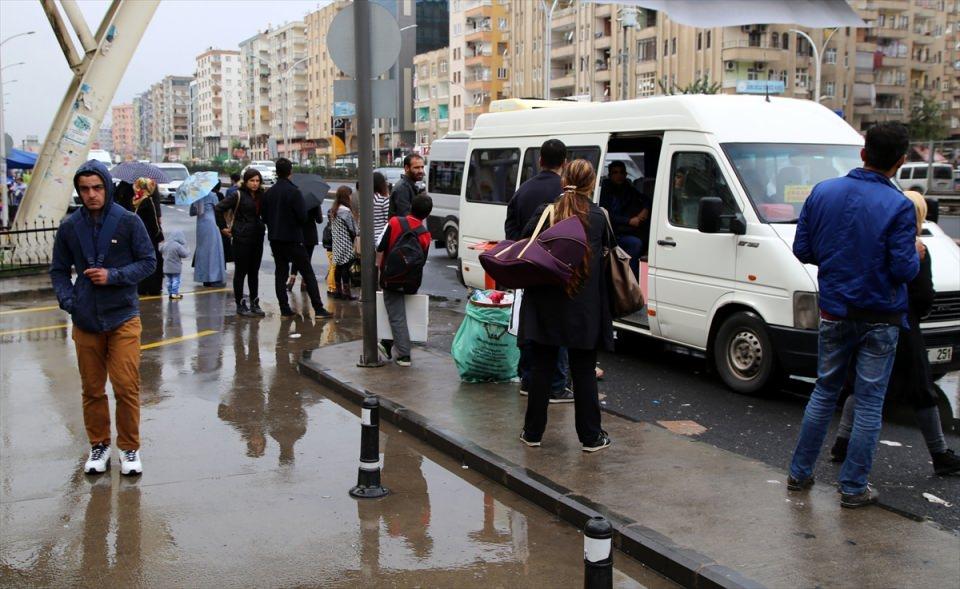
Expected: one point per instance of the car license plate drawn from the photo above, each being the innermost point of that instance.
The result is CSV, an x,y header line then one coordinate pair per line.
x,y
939,355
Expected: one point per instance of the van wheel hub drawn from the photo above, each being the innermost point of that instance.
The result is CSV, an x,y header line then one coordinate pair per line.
x,y
745,354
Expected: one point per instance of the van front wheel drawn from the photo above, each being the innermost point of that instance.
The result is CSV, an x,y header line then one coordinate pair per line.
x,y
743,353
452,236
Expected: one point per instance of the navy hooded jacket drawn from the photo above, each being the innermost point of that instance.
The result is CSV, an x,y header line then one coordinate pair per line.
x,y
861,233
129,259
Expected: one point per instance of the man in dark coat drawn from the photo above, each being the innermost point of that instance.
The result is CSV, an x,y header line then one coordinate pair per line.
x,y
544,188
111,252
284,212
401,199
629,213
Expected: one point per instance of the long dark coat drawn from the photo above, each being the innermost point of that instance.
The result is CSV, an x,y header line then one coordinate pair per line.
x,y
247,228
149,214
910,379
548,316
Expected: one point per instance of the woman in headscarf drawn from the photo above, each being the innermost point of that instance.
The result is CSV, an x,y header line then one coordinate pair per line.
x,y
209,265
137,198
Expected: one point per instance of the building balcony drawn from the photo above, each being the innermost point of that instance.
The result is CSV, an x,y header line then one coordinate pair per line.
x,y
565,19
475,84
563,51
863,76
474,60
922,66
603,10
741,50
892,88
566,81
888,110
483,10
478,36
923,38
602,75
890,33
889,5
602,42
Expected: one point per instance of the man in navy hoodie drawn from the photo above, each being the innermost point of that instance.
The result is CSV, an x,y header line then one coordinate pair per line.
x,y
111,252
860,231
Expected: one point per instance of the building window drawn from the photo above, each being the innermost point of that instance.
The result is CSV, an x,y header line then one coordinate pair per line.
x,y
443,67
647,50
786,41
673,46
666,48
801,78
699,41
502,23
708,39
646,84
830,55
775,40
830,89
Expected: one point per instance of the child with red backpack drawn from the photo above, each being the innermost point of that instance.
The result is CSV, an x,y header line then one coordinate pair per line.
x,y
402,252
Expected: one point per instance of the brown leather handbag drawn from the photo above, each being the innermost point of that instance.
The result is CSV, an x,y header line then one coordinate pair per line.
x,y
624,289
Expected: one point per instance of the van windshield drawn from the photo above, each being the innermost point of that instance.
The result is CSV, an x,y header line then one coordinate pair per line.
x,y
778,177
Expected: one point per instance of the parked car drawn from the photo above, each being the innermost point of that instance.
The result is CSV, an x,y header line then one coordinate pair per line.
x,y
956,180
176,173
267,172
913,176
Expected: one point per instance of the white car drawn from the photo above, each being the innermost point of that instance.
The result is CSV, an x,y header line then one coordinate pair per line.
x,y
913,176
267,172
176,173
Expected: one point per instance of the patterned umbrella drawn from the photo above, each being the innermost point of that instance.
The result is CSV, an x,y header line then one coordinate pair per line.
x,y
130,171
196,187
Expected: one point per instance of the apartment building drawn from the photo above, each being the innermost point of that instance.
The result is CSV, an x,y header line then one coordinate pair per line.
x,y
218,100
170,128
124,143
330,136
479,57
255,108
143,107
605,52
287,47
952,68
431,96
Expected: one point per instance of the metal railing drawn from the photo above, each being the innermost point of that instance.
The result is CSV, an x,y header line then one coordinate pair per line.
x,y
26,248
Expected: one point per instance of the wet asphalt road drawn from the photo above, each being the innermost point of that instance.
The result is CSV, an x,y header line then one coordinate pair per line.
x,y
646,383
247,467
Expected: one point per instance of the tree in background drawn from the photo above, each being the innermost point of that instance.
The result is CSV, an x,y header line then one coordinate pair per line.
x,y
698,86
927,121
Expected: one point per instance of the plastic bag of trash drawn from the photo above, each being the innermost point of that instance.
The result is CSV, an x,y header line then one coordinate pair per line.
x,y
483,349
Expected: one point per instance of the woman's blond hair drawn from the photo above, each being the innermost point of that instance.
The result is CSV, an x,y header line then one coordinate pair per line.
x,y
578,180
920,205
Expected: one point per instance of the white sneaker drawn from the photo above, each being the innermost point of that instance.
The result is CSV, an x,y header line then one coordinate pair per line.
x,y
99,460
130,462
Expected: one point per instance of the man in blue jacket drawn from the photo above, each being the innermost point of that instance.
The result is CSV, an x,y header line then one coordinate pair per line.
x,y
111,252
860,231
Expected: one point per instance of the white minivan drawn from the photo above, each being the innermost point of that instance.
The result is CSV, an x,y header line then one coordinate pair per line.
x,y
727,176
913,176
444,176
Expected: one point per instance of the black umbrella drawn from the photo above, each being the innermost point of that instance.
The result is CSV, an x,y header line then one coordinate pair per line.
x,y
313,187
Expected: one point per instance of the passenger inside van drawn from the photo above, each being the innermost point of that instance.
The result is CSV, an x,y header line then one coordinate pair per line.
x,y
629,213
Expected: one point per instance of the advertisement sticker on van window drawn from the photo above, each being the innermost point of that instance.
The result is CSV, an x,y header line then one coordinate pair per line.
x,y
796,193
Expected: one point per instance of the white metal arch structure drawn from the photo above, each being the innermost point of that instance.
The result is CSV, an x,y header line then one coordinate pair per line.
x,y
97,73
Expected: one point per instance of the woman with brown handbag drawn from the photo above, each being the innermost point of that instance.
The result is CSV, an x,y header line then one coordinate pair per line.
x,y
576,316
245,230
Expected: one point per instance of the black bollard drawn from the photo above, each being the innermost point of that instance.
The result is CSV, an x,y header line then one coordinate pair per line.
x,y
368,477
597,554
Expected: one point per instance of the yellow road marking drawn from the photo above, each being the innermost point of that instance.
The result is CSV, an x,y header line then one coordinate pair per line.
x,y
149,298
32,329
177,340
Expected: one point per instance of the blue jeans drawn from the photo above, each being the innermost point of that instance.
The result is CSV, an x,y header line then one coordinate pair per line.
x,y
633,245
173,283
872,347
525,367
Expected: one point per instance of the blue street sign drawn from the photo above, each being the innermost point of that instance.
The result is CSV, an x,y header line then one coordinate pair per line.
x,y
760,87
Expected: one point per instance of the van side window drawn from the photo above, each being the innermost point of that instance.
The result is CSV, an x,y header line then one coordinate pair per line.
x,y
445,177
692,177
492,177
531,159
904,173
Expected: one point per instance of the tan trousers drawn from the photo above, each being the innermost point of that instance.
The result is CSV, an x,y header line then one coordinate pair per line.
x,y
115,354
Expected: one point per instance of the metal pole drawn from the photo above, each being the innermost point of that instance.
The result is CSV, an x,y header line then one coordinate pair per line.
x,y
930,158
4,197
547,45
623,57
368,290
817,57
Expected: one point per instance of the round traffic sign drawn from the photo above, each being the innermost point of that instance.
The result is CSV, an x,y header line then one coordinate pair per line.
x,y
383,29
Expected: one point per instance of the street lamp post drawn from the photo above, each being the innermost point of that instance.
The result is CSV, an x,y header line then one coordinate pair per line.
x,y
547,43
4,197
817,58
284,77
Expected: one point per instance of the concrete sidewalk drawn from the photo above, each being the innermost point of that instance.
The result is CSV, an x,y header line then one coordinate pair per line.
x,y
698,514
20,287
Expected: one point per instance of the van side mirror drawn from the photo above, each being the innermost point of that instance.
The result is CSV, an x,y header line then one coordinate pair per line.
x,y
711,214
933,209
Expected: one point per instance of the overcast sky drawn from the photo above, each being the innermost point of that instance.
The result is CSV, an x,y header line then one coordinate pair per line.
x,y
179,31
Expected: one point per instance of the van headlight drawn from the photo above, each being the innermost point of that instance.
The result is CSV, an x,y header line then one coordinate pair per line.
x,y
806,313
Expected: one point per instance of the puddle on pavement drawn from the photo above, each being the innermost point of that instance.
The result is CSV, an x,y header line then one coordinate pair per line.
x,y
247,471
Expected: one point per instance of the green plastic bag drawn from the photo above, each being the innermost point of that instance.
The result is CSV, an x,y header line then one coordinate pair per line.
x,y
483,350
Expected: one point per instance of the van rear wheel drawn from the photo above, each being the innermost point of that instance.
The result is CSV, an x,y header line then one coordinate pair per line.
x,y
743,354
452,237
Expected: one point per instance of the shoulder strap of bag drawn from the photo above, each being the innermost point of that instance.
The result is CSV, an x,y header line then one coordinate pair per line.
x,y
547,213
237,209
610,231
404,225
